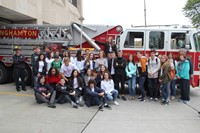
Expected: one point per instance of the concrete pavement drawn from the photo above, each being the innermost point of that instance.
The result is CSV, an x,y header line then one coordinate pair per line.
x,y
19,113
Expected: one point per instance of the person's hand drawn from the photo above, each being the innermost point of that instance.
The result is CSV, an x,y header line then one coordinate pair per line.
x,y
43,94
117,64
191,76
160,80
101,94
178,77
38,75
48,95
72,93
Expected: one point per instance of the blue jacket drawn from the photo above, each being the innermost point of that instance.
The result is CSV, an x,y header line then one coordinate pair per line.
x,y
130,69
90,94
183,69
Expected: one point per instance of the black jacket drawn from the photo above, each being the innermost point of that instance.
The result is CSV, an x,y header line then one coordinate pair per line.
x,y
120,65
36,68
65,90
107,47
18,61
110,64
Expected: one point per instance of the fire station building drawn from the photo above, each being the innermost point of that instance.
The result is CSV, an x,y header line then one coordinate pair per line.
x,y
40,11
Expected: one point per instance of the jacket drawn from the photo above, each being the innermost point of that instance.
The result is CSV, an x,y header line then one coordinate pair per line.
x,y
130,69
90,94
107,47
142,66
18,61
165,73
63,90
119,65
44,70
183,69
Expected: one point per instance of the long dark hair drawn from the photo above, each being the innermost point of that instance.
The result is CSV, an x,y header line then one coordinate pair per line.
x,y
109,75
50,74
79,56
132,59
40,56
78,78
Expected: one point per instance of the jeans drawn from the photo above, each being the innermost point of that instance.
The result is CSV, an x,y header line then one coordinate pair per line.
x,y
165,92
173,88
35,80
112,96
132,85
141,85
153,87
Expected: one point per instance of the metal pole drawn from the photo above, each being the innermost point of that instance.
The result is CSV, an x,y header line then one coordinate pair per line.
x,y
145,17
81,19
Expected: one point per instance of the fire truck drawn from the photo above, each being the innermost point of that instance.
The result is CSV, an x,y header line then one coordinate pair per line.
x,y
165,39
58,37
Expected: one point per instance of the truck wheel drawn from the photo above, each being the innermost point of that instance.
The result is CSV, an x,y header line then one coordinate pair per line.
x,y
28,75
3,74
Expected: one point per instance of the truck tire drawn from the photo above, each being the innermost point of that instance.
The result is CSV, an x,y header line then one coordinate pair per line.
x,y
28,75
3,74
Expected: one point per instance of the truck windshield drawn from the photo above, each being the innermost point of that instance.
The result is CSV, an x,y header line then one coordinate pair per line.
x,y
197,40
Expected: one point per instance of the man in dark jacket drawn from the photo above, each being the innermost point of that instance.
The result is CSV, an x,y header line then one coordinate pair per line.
x,y
108,46
120,75
95,96
111,68
19,69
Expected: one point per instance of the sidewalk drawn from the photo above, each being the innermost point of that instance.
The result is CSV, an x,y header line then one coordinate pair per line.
x,y
19,113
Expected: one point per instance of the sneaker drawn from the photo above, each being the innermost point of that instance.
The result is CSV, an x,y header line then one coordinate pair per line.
x,y
142,100
74,105
172,97
18,89
124,98
80,104
116,103
151,98
163,102
24,89
101,107
156,99
108,107
140,97
51,105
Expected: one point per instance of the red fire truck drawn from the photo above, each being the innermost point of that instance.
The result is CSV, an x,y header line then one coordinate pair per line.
x,y
59,37
165,39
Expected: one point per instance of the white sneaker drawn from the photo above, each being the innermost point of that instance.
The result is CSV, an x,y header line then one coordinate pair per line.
x,y
116,103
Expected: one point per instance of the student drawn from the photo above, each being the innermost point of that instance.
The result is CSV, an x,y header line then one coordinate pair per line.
x,y
44,93
66,93
107,85
56,63
67,68
173,65
67,54
19,69
153,68
41,67
89,62
183,75
49,59
100,74
101,61
88,76
131,69
79,62
142,70
76,82
165,79
53,77
34,58
120,74
95,96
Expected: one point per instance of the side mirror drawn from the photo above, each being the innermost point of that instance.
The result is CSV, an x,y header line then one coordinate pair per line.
x,y
187,39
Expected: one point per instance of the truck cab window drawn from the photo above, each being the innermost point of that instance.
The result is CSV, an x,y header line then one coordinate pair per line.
x,y
177,40
134,39
196,37
156,40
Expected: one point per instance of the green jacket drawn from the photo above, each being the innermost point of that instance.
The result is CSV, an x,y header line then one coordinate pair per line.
x,y
165,73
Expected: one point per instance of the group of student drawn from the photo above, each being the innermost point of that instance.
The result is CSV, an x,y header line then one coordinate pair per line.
x,y
95,81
